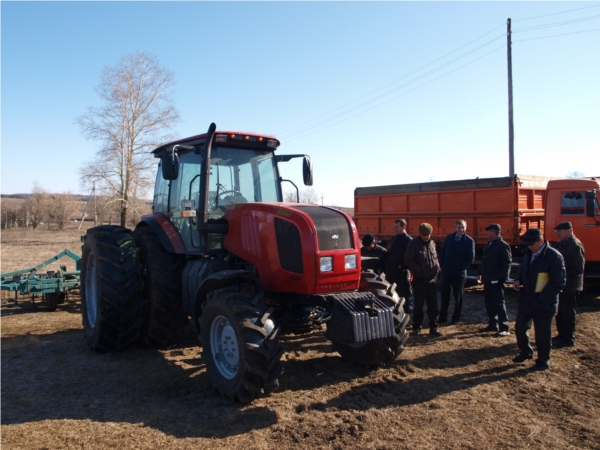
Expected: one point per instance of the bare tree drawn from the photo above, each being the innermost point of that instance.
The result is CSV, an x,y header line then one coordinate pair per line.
x,y
37,205
574,174
308,195
137,113
62,207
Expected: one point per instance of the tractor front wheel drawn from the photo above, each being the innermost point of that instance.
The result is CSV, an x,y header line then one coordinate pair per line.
x,y
111,284
240,343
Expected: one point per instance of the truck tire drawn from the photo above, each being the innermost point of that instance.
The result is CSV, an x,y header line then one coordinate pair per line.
x,y
240,343
164,321
381,351
111,285
53,299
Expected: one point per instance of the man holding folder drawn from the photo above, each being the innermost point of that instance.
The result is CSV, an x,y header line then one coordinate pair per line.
x,y
541,278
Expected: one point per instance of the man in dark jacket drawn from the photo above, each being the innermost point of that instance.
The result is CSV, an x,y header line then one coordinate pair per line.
x,y
421,259
541,278
457,254
493,272
395,270
573,254
377,253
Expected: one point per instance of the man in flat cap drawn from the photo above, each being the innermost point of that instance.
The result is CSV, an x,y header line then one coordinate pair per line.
x,y
456,256
573,254
395,270
370,249
493,272
421,259
541,278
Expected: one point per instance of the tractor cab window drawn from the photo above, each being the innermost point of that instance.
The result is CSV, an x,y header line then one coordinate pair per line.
x,y
240,176
572,204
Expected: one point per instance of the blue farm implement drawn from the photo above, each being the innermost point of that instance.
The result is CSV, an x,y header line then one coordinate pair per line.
x,y
52,285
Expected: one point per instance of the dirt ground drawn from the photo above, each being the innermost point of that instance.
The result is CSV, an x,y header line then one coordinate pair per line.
x,y
458,391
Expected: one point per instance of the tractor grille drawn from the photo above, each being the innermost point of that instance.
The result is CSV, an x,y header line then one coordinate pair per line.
x,y
333,230
289,246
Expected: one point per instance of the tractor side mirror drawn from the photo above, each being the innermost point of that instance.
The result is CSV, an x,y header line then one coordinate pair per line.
x,y
170,164
307,171
590,197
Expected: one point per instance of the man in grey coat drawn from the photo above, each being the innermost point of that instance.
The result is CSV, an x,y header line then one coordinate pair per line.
x,y
573,254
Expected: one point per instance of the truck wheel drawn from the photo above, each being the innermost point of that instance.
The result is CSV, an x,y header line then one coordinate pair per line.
x,y
240,343
111,285
380,351
165,321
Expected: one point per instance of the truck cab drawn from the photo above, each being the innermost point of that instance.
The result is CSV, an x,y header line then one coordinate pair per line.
x,y
577,200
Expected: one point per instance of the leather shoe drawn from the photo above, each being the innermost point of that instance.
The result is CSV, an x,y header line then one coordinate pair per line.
x,y
455,322
558,337
562,344
416,332
435,332
522,357
487,329
440,321
539,366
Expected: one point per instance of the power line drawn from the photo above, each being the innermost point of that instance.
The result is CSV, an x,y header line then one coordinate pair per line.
x,y
557,24
554,35
397,96
393,82
554,14
389,92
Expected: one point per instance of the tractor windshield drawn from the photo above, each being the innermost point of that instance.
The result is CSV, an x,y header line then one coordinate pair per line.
x,y
240,176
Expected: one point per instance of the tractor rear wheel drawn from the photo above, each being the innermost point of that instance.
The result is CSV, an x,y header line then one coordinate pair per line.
x,y
380,351
111,285
240,343
165,320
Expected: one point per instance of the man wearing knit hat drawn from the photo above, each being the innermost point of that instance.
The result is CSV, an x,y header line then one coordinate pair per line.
x,y
421,259
573,254
540,279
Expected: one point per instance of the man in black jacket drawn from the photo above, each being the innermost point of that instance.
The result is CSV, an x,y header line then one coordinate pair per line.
x,y
395,269
493,272
421,259
457,254
541,278
573,254
370,249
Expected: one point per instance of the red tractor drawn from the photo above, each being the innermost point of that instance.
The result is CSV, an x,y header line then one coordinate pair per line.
x,y
222,248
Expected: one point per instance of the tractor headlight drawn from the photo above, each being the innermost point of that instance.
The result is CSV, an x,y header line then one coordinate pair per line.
x,y
326,264
350,262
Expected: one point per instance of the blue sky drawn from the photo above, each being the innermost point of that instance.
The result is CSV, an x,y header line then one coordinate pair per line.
x,y
281,67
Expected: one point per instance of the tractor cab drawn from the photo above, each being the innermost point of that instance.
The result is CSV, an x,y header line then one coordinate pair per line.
x,y
234,168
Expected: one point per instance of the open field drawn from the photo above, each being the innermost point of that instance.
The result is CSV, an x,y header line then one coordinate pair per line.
x,y
458,391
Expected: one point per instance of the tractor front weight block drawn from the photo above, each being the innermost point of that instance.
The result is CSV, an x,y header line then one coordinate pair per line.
x,y
358,317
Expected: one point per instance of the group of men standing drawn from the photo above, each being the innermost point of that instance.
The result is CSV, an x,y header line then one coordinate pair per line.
x,y
549,281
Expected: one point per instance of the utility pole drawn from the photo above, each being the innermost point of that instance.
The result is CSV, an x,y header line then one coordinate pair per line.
x,y
95,210
511,131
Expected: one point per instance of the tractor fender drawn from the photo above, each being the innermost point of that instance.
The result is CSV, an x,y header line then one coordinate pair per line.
x,y
218,280
165,231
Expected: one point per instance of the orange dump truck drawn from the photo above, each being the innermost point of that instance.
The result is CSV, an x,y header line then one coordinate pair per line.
x,y
516,203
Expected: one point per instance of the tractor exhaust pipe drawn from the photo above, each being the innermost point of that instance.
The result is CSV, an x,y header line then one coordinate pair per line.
x,y
204,179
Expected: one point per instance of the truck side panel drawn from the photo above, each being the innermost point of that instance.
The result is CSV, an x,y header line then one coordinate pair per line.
x,y
516,204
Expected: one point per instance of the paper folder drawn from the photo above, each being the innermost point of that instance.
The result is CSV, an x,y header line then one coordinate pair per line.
x,y
542,281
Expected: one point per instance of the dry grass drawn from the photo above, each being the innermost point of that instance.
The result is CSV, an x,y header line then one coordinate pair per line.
x,y
459,391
